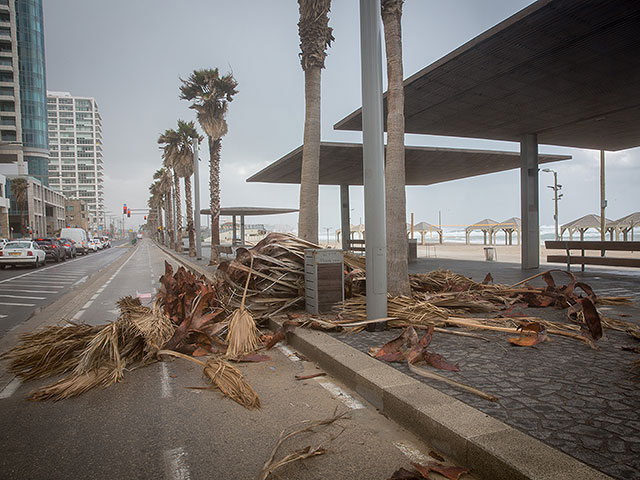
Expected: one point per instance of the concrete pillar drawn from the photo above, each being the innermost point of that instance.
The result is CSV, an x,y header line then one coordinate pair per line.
x,y
234,233
529,201
241,229
345,220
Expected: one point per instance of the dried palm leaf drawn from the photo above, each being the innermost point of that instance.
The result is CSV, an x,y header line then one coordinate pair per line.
x,y
243,336
226,378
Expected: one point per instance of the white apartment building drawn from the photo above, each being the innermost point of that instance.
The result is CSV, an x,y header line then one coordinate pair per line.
x,y
75,146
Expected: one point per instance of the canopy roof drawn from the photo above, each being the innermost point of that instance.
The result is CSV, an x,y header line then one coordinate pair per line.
x,y
629,221
565,70
341,164
425,227
588,221
513,222
250,211
486,224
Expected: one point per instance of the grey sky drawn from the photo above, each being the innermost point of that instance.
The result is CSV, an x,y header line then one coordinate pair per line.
x,y
128,54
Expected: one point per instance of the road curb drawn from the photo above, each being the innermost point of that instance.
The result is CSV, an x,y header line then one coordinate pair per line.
x,y
194,268
493,449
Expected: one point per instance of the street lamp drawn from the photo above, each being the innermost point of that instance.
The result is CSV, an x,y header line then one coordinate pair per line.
x,y
556,195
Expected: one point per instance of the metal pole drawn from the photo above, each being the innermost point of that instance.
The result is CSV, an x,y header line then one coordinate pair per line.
x,y
373,159
603,202
555,191
345,219
196,194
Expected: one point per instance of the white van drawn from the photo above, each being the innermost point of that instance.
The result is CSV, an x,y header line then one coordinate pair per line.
x,y
79,236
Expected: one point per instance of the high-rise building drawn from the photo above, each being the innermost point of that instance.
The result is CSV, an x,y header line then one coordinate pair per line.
x,y
23,111
75,142
24,150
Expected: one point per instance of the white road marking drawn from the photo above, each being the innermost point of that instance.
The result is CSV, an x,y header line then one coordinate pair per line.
x,y
78,315
95,295
177,464
4,316
82,280
25,285
412,453
340,394
2,289
11,388
22,297
34,272
288,352
166,386
87,305
18,304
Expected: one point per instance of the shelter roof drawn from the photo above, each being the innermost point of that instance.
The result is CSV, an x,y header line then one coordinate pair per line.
x,y
588,221
509,222
250,211
426,227
564,70
341,164
485,224
631,220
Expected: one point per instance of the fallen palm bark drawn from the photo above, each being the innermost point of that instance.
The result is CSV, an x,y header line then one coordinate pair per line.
x,y
271,465
434,376
243,334
226,378
91,356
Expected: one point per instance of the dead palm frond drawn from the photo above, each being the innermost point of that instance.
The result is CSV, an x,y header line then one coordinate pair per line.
x,y
243,336
226,378
91,356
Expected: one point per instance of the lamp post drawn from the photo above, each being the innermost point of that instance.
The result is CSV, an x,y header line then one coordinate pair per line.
x,y
556,195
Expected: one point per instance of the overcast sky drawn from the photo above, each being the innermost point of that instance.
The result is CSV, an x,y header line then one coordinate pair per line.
x,y
129,55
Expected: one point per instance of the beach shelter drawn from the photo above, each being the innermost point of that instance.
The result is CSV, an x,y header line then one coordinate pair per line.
x,y
424,229
485,226
581,225
624,225
352,229
508,226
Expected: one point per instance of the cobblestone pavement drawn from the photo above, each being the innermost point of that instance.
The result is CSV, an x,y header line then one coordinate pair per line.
x,y
578,400
581,401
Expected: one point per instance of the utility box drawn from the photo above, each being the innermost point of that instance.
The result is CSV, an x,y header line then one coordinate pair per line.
x,y
412,250
490,254
323,279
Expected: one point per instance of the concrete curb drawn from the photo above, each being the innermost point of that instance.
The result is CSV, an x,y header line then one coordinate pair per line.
x,y
493,449
188,264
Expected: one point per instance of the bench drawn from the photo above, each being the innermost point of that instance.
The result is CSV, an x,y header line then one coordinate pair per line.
x,y
356,245
583,259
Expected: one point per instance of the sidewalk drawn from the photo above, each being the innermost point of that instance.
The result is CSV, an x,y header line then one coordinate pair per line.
x,y
580,401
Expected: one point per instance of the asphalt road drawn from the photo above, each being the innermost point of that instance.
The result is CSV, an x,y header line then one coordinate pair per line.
x,y
25,290
153,425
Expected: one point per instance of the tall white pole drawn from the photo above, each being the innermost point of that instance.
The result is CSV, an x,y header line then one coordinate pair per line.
x,y
373,159
196,194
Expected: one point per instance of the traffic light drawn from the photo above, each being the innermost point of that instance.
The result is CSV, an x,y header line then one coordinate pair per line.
x,y
124,208
145,217
128,212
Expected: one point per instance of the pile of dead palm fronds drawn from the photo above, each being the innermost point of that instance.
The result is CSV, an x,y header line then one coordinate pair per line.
x,y
90,356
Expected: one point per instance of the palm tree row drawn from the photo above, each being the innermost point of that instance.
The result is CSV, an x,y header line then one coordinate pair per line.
x,y
209,94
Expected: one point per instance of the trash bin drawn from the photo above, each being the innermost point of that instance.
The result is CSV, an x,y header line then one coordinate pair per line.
x,y
412,251
490,254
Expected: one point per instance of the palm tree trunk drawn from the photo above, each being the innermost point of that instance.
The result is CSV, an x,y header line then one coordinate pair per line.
x,y
397,267
167,220
214,204
176,183
310,176
189,202
161,231
170,224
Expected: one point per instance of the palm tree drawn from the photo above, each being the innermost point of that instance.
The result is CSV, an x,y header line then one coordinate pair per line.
x,y
397,267
315,36
164,189
169,141
20,189
210,95
155,202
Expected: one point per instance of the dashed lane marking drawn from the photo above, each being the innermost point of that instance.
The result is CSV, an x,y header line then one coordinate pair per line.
x,y
26,291
177,467
82,280
9,304
412,453
11,388
164,377
23,297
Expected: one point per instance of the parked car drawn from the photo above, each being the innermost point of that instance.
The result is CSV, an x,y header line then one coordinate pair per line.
x,y
92,245
52,248
69,247
23,252
106,241
3,242
79,236
98,242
